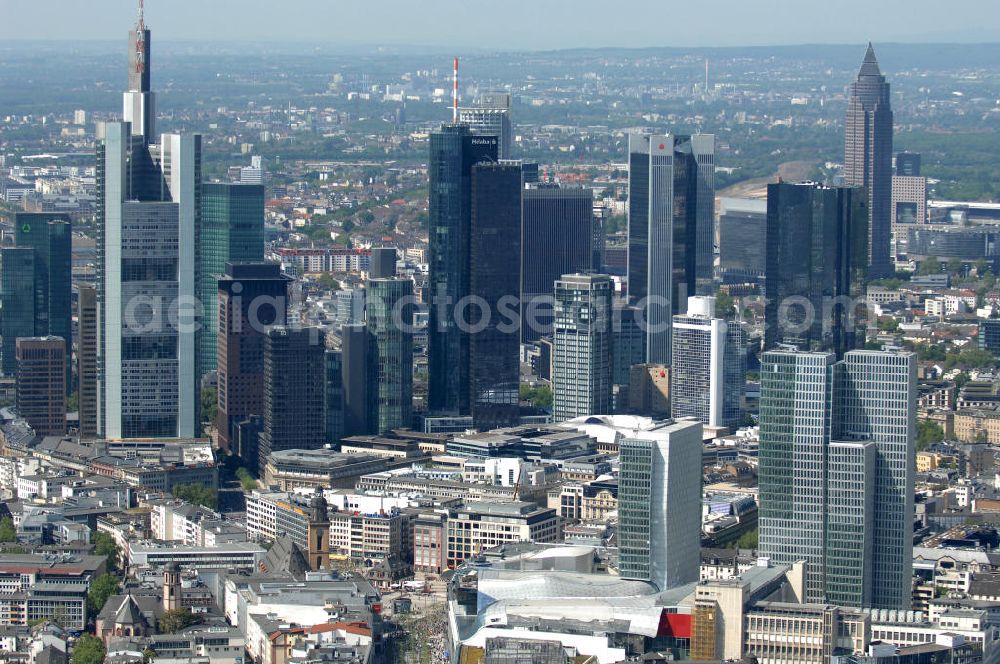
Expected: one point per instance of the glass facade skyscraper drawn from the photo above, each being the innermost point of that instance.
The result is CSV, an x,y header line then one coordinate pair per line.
x,y
36,303
816,267
250,298
390,322
836,472
495,269
148,219
868,157
17,278
294,402
659,489
671,212
556,240
232,231
454,149
581,350
707,375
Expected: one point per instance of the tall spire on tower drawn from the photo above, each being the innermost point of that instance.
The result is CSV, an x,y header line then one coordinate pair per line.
x,y
139,97
869,67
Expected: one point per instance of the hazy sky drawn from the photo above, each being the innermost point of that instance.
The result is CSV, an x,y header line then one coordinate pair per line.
x,y
514,24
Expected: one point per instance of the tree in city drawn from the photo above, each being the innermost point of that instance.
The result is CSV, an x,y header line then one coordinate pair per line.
x,y
209,406
197,494
101,589
175,620
88,650
104,545
929,266
928,433
748,540
539,396
7,531
246,478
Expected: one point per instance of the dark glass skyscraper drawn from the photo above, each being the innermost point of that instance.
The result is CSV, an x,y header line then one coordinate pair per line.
x,y
51,236
495,268
815,272
251,297
556,240
232,231
17,278
868,157
390,322
359,381
37,303
294,391
671,228
453,152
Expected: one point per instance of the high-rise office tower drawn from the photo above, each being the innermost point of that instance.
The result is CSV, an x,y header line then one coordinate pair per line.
x,y
358,371
816,267
495,267
334,404
232,231
251,297
908,164
598,238
51,237
491,117
556,240
390,323
707,376
36,303
86,360
139,101
868,156
17,280
454,149
294,391
41,384
350,306
659,490
383,263
147,271
148,218
670,229
742,240
582,357
628,344
836,472
878,401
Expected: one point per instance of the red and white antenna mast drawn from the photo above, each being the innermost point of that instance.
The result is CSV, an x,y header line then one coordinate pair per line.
x,y
140,40
454,93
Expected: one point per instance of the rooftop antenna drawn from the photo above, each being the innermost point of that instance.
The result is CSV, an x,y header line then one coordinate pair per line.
x,y
454,93
140,39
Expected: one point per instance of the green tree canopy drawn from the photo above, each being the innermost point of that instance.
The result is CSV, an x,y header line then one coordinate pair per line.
x,y
104,545
7,531
928,433
539,396
176,620
246,478
101,589
197,494
88,650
